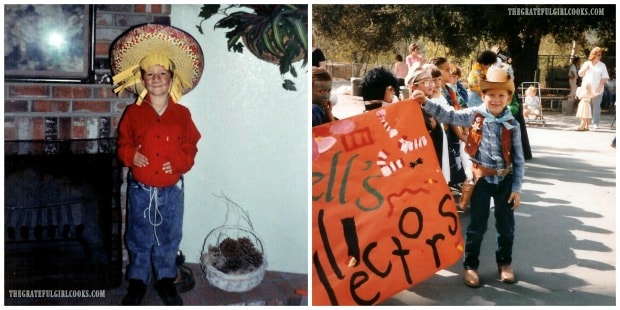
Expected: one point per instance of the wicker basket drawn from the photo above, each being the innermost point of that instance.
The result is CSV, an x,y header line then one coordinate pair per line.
x,y
238,281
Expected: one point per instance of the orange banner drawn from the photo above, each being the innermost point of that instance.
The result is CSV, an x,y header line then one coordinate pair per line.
x,y
383,217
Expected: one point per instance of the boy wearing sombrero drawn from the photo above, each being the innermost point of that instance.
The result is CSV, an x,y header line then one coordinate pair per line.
x,y
157,140
494,145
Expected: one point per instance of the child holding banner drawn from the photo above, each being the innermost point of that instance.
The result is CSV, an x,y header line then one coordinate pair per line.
x,y
420,79
494,144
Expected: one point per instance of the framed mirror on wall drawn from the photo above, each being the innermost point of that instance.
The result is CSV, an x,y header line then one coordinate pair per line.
x,y
49,42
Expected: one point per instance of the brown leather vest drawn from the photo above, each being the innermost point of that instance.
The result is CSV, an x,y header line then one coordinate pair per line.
x,y
475,137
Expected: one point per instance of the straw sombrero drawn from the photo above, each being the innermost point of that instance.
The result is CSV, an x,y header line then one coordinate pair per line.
x,y
148,39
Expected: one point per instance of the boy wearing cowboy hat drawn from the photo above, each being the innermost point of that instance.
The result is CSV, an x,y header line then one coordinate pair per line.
x,y
157,140
495,147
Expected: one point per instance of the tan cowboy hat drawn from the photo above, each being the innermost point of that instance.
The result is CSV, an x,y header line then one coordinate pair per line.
x,y
151,44
497,78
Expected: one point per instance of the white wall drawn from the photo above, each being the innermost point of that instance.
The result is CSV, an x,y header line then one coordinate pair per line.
x,y
253,148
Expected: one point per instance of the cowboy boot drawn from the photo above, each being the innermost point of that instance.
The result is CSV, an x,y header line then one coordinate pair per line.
x,y
466,189
471,278
135,293
168,292
506,274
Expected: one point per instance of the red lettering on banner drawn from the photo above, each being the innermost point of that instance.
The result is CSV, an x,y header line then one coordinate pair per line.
x,y
357,139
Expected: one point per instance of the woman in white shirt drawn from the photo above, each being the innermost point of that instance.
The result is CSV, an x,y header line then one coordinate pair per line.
x,y
595,72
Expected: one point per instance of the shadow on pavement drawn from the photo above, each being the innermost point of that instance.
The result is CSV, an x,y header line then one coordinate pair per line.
x,y
564,252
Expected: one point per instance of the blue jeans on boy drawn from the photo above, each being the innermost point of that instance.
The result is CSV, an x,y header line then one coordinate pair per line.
x,y
479,216
154,229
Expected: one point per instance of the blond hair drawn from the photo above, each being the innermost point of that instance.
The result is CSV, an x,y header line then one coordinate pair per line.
x,y
531,91
594,51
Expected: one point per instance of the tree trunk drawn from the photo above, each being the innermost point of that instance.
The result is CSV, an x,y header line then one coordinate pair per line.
x,y
524,55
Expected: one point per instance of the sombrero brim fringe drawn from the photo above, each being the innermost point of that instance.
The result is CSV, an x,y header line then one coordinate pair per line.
x,y
180,47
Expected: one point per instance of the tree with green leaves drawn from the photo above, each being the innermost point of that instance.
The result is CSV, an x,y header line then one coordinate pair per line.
x,y
516,29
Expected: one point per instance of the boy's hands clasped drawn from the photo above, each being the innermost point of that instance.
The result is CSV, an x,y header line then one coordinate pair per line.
x,y
167,168
139,160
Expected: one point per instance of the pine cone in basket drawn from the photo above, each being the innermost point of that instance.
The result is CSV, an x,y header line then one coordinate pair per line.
x,y
229,248
246,243
240,255
233,264
254,259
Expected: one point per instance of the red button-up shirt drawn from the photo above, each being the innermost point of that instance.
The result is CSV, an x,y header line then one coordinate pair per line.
x,y
170,137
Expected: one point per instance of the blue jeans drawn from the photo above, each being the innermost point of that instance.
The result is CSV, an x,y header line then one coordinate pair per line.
x,y
154,229
479,216
596,109
457,171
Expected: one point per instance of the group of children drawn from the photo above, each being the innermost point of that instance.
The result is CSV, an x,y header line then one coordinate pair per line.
x,y
476,138
478,147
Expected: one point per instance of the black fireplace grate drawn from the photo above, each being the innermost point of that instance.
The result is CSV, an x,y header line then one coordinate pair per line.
x,y
62,215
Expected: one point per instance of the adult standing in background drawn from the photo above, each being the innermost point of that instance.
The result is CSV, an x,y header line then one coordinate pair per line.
x,y
609,96
573,75
414,55
400,71
595,72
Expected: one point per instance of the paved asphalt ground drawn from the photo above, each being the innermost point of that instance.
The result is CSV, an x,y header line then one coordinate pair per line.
x,y
565,244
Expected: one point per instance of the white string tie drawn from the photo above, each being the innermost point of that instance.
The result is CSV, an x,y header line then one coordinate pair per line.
x,y
154,221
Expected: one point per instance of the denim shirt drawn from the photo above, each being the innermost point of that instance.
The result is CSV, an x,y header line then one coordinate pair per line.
x,y
319,117
490,151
